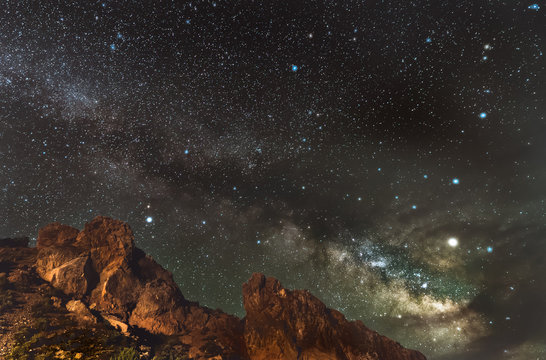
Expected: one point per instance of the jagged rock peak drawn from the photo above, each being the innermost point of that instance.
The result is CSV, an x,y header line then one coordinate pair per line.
x,y
294,324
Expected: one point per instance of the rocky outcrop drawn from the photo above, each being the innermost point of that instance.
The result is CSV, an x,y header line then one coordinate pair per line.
x,y
285,324
102,270
101,266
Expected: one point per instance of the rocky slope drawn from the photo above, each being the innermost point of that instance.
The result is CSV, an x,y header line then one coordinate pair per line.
x,y
105,279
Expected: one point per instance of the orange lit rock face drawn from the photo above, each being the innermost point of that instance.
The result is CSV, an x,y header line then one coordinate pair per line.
x,y
284,324
101,267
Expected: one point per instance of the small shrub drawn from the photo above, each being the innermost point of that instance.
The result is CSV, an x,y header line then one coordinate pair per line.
x,y
42,307
211,348
41,324
127,354
6,300
168,355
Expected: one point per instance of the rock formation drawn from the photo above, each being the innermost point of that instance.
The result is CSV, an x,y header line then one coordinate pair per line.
x,y
101,266
285,324
107,277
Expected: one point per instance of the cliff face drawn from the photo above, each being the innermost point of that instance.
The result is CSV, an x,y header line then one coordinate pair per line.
x,y
108,279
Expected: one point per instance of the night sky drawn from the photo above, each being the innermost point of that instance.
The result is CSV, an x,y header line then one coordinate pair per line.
x,y
389,156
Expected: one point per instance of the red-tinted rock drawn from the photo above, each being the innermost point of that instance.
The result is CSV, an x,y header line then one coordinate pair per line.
x,y
107,240
56,234
160,308
117,291
73,277
284,324
81,311
50,258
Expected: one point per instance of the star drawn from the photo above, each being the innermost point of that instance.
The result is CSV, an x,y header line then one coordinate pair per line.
x,y
149,219
483,115
453,242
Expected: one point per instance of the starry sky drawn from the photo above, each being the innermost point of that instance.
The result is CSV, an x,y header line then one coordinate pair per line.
x,y
386,155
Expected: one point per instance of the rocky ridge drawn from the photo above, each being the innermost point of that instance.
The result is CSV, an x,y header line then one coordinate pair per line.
x,y
107,279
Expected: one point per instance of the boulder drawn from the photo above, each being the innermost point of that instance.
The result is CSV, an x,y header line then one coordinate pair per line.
x,y
73,277
117,291
107,240
49,258
81,311
117,323
160,308
56,234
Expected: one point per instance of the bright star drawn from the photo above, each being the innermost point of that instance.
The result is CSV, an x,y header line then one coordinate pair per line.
x,y
483,115
295,68
112,47
414,207
455,181
149,219
186,151
453,242
489,249
534,7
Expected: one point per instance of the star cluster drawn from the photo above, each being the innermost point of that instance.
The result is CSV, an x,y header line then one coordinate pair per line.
x,y
386,155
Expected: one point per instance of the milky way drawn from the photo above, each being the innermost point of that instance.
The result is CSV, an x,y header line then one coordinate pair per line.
x,y
386,155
